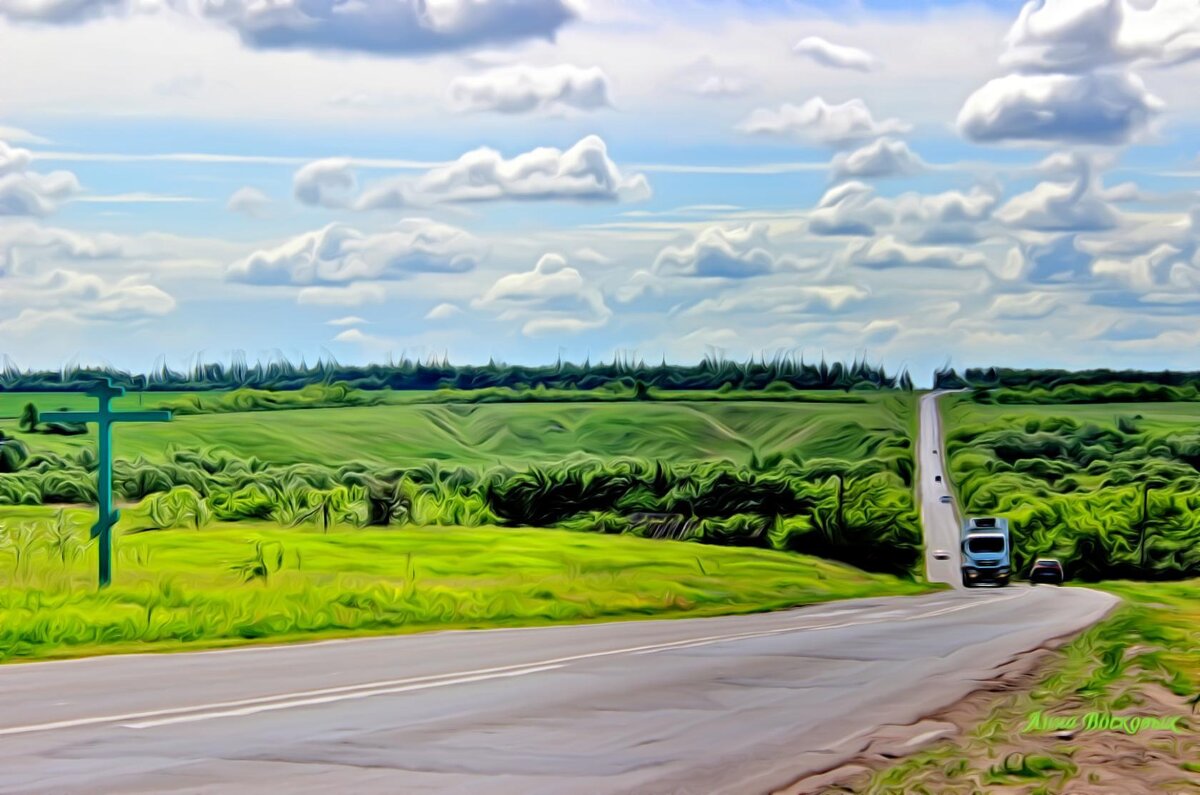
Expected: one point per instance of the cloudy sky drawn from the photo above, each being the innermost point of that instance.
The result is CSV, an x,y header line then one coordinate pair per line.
x,y
986,182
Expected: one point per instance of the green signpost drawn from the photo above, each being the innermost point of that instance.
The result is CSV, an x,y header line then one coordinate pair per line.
x,y
104,417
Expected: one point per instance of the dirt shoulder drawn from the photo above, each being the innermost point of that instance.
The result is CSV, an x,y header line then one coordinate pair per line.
x,y
1060,720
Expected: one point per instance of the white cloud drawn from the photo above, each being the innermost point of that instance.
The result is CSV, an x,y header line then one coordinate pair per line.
x,y
1077,204
249,201
888,252
850,208
582,173
819,121
948,217
886,157
836,56
31,241
551,298
443,311
338,255
387,27
1069,71
727,253
65,296
17,135
348,320
326,183
1080,35
1031,305
524,89
782,300
1096,107
25,192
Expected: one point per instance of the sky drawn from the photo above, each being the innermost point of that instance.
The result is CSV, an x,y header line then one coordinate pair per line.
x,y
980,183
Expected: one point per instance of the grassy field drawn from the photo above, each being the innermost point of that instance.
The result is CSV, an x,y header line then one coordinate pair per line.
x,y
1141,661
254,581
1085,482
514,434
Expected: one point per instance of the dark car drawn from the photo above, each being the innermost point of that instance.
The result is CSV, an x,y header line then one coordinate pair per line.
x,y
1046,570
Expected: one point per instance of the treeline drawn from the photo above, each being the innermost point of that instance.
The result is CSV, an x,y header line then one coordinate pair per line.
x,y
858,512
409,374
1016,385
1110,502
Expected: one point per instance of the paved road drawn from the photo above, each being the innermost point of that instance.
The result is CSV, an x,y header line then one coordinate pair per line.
x,y
940,520
738,704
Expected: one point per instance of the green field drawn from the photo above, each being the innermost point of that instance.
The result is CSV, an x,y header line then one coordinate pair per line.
x,y
515,434
1110,488
189,589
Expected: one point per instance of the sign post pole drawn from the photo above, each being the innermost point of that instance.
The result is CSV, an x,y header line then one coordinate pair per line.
x,y
104,417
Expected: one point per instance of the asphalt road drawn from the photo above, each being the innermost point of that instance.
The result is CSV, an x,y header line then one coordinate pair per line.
x,y
722,705
940,520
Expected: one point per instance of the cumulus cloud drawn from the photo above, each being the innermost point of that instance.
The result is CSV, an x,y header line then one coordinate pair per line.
x,y
1069,71
583,172
1074,200
390,27
850,208
1079,35
1097,107
66,296
821,122
887,252
551,298
31,240
339,255
325,183
886,157
524,89
26,192
348,320
727,253
1031,305
948,217
782,300
248,201
836,56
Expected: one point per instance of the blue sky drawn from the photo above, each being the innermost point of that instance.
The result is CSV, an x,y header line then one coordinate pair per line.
x,y
989,182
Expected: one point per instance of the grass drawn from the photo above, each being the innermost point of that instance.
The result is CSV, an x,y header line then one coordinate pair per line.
x,y
1140,660
515,434
254,581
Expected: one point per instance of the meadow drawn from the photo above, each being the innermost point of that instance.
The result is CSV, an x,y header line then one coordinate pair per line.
x,y
1109,488
256,581
517,433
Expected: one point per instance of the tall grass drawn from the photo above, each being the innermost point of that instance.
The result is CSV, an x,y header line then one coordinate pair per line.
x,y
254,580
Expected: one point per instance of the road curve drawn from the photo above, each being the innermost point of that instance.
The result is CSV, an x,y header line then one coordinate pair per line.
x,y
739,704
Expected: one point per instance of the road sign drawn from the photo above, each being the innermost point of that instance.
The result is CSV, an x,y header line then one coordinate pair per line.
x,y
104,417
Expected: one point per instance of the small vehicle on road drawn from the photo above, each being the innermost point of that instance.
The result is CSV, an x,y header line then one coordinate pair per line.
x,y
937,478
941,554
1046,570
945,498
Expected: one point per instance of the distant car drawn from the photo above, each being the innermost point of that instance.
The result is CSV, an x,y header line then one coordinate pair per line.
x,y
1046,570
944,498
937,478
941,554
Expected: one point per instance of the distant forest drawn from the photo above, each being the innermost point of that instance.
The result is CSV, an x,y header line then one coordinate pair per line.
x,y
410,374
1020,378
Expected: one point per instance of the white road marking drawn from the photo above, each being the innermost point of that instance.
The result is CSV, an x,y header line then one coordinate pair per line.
x,y
234,713
147,719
